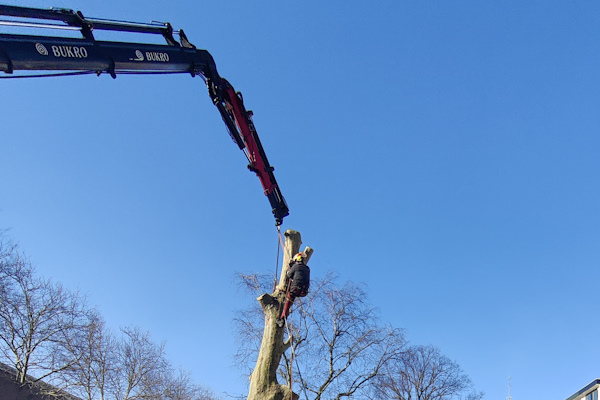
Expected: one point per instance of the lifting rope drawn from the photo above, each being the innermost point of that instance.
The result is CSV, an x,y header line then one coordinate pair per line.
x,y
282,246
277,261
292,354
292,359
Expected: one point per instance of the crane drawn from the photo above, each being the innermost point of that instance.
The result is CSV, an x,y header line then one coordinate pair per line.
x,y
20,52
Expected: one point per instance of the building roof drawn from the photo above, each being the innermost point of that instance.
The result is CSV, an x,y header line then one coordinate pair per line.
x,y
585,390
11,389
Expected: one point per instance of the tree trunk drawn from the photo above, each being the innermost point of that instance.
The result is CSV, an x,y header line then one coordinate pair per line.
x,y
263,381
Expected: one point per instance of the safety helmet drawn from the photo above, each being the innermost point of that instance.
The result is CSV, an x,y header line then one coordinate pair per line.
x,y
300,257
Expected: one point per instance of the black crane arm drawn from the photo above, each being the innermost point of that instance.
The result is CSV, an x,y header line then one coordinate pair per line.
x,y
35,53
20,52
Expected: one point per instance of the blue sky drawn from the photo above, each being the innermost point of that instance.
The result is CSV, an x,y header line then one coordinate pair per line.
x,y
444,153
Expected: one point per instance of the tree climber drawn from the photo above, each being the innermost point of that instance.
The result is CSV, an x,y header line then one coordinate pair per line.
x,y
297,283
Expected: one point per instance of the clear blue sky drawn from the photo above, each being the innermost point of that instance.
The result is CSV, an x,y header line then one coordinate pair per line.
x,y
445,153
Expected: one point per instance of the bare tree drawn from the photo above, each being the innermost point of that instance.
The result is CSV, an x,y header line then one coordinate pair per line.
x,y
143,372
335,347
53,343
273,344
423,373
38,320
140,367
181,387
91,376
128,367
339,345
249,322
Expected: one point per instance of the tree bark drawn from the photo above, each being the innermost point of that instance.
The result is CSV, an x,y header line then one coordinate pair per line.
x,y
263,381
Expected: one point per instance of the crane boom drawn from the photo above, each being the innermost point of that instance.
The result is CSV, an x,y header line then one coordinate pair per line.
x,y
20,52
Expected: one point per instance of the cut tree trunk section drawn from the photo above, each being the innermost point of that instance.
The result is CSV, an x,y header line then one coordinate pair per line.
x,y
263,381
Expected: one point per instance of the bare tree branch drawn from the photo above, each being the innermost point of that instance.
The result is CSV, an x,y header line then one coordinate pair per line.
x,y
340,346
39,319
423,373
54,342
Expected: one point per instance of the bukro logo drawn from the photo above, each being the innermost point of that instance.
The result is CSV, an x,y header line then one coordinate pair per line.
x,y
157,56
41,49
69,51
139,56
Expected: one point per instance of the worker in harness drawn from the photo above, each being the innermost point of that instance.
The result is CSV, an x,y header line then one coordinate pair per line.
x,y
297,284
